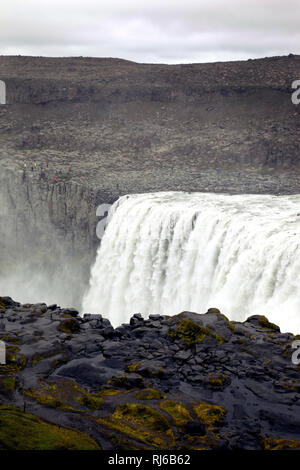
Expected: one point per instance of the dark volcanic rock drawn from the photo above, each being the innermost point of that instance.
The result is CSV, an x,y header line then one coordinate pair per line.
x,y
201,382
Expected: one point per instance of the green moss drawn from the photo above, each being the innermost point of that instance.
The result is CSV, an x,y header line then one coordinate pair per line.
x,y
142,423
11,340
24,431
8,374
158,373
8,370
270,443
179,414
291,385
91,401
69,326
210,415
218,379
66,395
264,322
190,333
2,303
11,348
122,382
47,399
149,394
132,367
39,357
8,384
230,324
16,359
108,392
61,395
207,442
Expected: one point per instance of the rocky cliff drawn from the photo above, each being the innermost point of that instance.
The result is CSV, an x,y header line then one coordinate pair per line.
x,y
108,116
184,382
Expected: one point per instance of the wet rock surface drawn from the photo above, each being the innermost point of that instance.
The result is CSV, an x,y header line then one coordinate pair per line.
x,y
185,382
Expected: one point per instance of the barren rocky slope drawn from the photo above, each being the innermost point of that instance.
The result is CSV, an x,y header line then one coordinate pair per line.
x,y
113,119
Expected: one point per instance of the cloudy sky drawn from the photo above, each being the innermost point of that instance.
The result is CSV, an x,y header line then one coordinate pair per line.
x,y
167,31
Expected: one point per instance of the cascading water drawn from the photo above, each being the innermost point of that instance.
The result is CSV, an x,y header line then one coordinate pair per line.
x,y
168,252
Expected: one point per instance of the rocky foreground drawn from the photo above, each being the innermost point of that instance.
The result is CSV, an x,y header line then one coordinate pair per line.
x,y
185,382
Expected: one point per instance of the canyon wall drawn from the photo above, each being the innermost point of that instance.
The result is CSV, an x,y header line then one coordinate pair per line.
x,y
47,237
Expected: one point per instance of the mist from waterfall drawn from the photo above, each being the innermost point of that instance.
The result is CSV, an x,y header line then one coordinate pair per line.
x,y
35,262
163,253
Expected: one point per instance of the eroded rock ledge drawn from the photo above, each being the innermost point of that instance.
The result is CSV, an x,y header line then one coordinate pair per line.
x,y
185,382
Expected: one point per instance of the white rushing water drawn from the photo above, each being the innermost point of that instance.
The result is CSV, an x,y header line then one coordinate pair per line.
x,y
169,252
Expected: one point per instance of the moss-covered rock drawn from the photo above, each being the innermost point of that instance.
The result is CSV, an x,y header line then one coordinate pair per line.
x,y
209,441
210,415
91,401
127,381
62,395
132,367
8,370
218,380
7,384
264,322
141,423
108,392
9,339
271,443
213,310
6,302
24,431
47,399
149,394
179,414
40,357
16,359
69,326
190,333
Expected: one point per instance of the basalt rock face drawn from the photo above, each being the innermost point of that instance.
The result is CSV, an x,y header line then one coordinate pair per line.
x,y
185,382
109,127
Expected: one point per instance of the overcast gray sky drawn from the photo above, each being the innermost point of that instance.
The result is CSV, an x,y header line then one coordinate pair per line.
x,y
168,31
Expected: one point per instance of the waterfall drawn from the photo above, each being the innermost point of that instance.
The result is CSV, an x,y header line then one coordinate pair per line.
x,y
163,253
